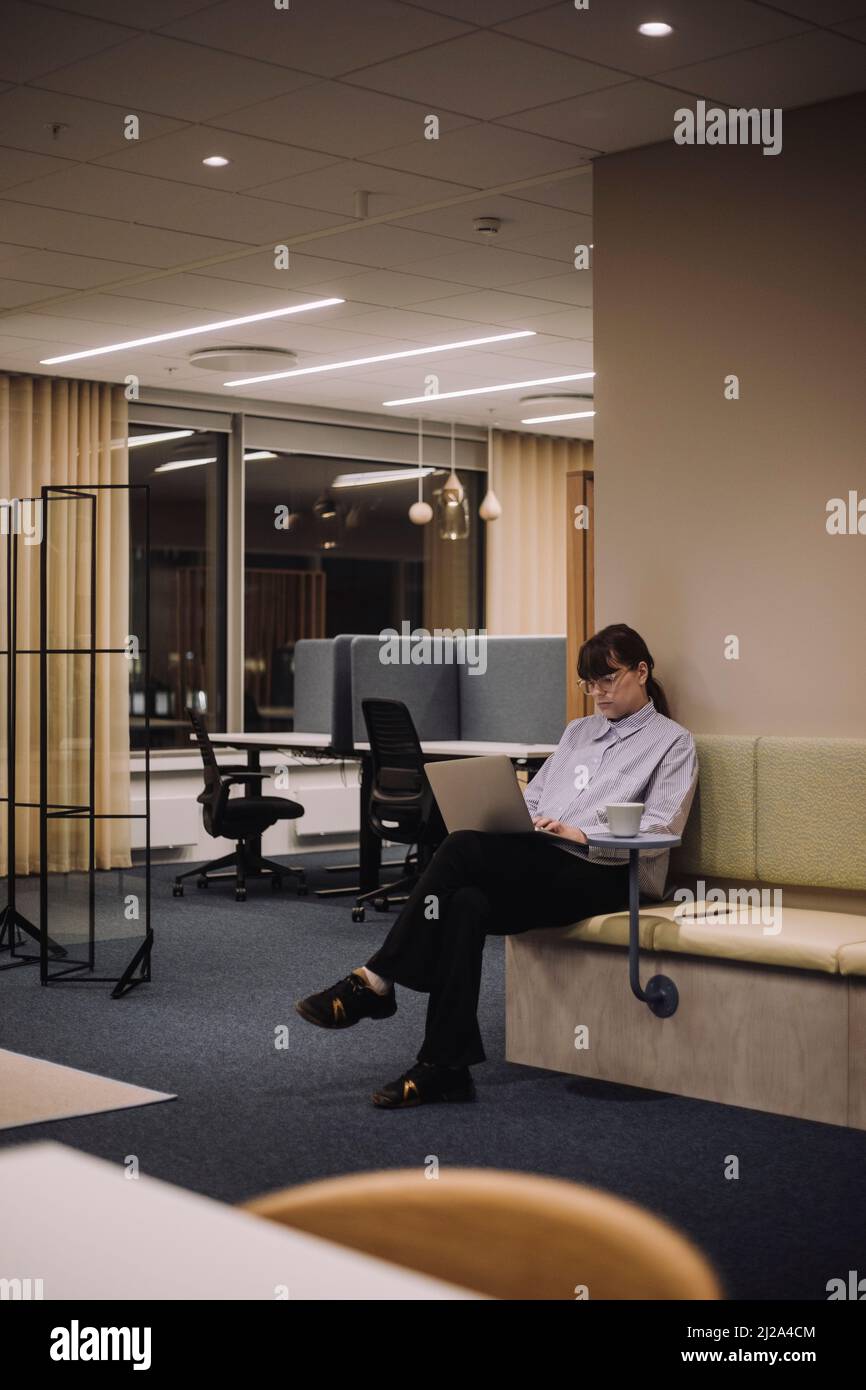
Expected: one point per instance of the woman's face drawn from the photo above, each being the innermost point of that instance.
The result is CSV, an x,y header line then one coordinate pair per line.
x,y
627,694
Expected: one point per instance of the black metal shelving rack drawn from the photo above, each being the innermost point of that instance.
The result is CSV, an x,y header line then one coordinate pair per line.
x,y
13,925
16,930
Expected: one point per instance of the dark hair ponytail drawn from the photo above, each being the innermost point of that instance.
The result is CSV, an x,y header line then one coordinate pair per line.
x,y
619,645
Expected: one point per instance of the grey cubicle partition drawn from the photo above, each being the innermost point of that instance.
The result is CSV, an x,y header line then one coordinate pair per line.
x,y
520,696
314,684
428,687
515,694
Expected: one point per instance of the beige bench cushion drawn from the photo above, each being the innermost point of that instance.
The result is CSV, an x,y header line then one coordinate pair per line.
x,y
808,940
852,959
811,822
610,929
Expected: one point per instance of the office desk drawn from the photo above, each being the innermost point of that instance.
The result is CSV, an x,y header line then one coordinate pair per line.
x,y
370,846
89,1232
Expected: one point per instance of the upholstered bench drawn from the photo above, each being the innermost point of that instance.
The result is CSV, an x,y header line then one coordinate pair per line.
x,y
772,1011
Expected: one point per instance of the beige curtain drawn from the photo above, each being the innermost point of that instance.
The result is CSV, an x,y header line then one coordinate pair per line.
x,y
61,432
526,547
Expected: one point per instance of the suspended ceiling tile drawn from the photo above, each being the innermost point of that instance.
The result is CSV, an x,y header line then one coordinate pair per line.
x,y
179,156
338,120
333,188
483,11
608,33
85,234
229,297
795,72
826,11
144,14
491,306
382,246
391,288
152,73
327,37
575,287
487,266
572,355
855,30
518,219
20,166
303,269
570,195
484,75
35,40
420,327
484,156
558,245
635,113
14,292
56,268
571,323
154,202
90,128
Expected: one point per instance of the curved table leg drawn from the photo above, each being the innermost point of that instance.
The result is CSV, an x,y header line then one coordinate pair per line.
x,y
661,994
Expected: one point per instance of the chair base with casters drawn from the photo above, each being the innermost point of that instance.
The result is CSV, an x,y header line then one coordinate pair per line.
x,y
391,894
247,864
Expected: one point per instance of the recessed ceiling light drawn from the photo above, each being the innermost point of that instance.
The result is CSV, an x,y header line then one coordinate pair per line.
x,y
382,357
485,390
545,419
655,29
190,332
181,463
216,161
259,454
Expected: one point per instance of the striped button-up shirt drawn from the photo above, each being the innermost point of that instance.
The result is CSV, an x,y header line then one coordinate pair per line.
x,y
642,757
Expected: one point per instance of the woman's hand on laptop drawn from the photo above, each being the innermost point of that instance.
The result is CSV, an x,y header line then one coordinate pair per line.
x,y
556,827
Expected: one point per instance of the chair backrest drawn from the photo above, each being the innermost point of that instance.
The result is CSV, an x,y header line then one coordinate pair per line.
x,y
400,796
506,1235
214,796
202,738
392,736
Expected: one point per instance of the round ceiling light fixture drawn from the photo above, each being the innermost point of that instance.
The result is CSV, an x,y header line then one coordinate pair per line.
x,y
216,161
655,29
554,400
243,359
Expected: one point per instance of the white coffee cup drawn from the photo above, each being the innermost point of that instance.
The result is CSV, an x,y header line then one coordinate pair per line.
x,y
623,818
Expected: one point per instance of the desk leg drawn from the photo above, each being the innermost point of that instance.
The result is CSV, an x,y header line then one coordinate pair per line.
x,y
370,845
253,790
661,994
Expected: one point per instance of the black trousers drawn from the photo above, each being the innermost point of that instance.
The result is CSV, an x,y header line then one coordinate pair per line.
x,y
478,885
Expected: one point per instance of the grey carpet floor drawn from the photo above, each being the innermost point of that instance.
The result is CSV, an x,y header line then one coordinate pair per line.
x,y
251,1117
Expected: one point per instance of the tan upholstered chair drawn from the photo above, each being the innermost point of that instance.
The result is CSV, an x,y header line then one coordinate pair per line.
x,y
507,1235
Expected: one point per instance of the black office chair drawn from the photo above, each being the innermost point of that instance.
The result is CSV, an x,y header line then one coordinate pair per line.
x,y
242,819
401,807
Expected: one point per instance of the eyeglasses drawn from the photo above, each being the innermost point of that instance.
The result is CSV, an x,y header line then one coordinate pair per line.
x,y
604,683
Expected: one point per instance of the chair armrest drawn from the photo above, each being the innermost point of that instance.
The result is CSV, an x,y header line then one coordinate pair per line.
x,y
242,777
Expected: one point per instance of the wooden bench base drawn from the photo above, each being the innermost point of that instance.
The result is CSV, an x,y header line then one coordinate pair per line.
x,y
777,1040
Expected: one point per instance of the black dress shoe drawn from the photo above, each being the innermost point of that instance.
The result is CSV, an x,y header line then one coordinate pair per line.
x,y
424,1083
345,1003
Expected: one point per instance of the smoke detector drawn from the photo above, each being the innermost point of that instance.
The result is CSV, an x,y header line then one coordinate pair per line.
x,y
487,226
243,359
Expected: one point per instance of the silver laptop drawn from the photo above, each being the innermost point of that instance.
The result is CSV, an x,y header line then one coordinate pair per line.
x,y
484,794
